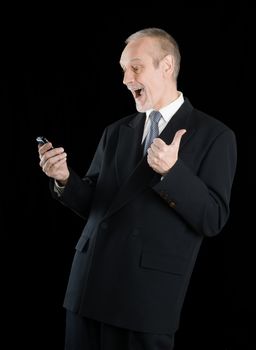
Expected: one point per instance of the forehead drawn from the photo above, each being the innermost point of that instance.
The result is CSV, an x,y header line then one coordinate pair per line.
x,y
139,50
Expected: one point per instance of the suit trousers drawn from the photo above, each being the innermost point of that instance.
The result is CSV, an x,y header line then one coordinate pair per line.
x,y
86,334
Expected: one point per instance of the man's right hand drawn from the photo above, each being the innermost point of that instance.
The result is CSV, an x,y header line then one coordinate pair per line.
x,y
53,162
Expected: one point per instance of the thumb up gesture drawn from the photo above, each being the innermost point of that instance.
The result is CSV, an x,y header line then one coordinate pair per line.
x,y
162,157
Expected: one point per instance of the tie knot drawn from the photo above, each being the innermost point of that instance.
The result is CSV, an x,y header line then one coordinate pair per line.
x,y
155,116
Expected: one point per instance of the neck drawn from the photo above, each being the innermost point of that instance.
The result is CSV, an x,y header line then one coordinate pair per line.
x,y
172,96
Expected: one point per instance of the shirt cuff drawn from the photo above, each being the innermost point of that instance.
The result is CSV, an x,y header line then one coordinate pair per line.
x,y
58,189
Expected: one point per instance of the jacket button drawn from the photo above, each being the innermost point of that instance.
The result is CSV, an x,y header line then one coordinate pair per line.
x,y
172,204
104,225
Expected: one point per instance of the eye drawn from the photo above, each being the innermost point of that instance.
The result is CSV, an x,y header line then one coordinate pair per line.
x,y
136,69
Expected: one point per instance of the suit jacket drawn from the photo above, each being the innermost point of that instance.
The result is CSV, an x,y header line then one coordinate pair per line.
x,y
134,259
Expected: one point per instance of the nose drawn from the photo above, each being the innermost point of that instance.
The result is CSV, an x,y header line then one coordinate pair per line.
x,y
128,77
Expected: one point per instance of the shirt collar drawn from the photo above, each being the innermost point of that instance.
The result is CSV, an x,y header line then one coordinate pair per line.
x,y
169,110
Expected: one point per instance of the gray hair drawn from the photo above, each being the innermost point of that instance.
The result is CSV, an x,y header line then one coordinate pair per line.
x,y
167,43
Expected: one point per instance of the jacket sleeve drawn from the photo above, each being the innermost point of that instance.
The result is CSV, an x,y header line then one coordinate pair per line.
x,y
78,192
202,199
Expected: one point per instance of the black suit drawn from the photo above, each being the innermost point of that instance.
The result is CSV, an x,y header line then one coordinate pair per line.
x,y
137,251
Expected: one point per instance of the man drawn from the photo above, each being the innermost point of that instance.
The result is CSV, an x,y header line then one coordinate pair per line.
x,y
148,201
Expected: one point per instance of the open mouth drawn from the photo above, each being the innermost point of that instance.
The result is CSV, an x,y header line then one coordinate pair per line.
x,y
138,92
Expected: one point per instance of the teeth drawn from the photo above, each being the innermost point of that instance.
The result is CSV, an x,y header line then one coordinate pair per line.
x,y
134,89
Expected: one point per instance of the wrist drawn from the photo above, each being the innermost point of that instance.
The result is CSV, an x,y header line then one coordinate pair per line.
x,y
61,182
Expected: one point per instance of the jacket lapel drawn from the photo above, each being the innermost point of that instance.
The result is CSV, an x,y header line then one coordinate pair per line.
x,y
180,120
129,147
141,175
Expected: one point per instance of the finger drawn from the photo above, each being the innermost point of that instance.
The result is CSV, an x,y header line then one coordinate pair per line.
x,y
61,162
177,137
56,159
152,158
159,143
151,153
154,150
48,154
52,169
44,148
47,164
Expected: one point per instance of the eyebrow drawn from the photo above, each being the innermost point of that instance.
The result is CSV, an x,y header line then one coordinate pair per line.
x,y
132,61
136,59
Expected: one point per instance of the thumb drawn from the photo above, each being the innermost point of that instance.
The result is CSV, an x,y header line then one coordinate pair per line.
x,y
177,137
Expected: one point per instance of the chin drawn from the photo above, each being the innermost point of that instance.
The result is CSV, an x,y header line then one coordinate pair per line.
x,y
140,108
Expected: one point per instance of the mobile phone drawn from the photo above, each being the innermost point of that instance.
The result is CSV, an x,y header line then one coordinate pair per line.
x,y
41,140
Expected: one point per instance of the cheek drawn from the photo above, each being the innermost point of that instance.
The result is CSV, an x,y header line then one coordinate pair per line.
x,y
157,80
153,82
156,89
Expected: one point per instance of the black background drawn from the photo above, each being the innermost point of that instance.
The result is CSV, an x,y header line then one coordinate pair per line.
x,y
61,78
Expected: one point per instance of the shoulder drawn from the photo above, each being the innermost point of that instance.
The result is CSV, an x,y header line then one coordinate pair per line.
x,y
208,120
208,124
208,128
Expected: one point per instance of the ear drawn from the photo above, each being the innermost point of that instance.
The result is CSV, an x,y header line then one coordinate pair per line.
x,y
168,62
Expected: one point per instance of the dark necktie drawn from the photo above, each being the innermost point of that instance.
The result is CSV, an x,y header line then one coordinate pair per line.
x,y
154,116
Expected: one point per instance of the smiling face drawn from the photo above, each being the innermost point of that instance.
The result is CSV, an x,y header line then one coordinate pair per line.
x,y
152,85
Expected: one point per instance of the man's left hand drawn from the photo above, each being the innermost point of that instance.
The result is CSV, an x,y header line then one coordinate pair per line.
x,y
162,157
